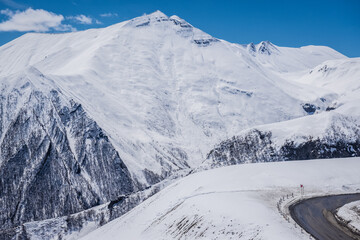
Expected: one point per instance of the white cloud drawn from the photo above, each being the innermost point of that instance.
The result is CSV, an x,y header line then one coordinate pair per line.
x,y
37,20
109,15
7,12
65,28
82,19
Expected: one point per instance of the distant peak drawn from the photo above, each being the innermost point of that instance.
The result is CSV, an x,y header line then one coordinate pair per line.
x,y
267,42
158,14
266,47
251,48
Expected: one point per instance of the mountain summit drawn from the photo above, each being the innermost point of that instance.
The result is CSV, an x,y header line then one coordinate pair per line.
x,y
180,26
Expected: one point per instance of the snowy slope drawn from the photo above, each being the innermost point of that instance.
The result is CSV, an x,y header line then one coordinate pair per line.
x,y
165,92
236,202
341,77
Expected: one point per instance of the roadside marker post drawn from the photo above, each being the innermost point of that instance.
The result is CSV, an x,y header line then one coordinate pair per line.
x,y
302,191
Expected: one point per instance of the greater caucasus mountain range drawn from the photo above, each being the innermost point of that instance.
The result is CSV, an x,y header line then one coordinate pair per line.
x,y
96,120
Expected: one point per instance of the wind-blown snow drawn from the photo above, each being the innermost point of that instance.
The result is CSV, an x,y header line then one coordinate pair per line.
x,y
236,202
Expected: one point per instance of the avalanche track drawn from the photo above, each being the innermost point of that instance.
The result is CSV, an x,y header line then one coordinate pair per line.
x,y
315,215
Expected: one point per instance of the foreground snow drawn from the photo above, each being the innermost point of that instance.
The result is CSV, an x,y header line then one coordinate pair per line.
x,y
351,214
235,202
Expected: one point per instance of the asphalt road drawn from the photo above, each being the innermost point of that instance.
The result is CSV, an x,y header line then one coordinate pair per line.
x,y
315,216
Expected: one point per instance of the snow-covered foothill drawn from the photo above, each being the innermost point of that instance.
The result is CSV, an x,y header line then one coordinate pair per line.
x,y
235,202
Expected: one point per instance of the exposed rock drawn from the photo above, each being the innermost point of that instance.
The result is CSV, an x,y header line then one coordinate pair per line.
x,y
205,42
55,161
256,146
309,108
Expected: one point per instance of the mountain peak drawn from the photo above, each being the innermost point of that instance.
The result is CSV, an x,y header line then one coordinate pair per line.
x,y
251,48
146,19
266,47
179,25
157,14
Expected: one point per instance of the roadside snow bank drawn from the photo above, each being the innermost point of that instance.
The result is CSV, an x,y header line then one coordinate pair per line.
x,y
351,214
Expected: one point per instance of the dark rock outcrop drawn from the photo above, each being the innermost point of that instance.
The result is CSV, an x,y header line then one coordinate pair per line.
x,y
309,108
256,146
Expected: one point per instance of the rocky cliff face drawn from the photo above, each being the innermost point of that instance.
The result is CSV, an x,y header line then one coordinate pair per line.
x,y
55,160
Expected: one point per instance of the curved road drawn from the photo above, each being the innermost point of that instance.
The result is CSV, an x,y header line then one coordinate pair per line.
x,y
315,216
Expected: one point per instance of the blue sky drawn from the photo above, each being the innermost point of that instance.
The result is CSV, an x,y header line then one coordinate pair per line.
x,y
334,23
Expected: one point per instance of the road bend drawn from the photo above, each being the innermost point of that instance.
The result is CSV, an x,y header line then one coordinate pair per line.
x,y
316,216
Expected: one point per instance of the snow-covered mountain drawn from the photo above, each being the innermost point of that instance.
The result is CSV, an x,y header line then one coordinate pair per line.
x,y
92,115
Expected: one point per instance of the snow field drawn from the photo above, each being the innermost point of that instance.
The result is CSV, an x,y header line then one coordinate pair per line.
x,y
235,202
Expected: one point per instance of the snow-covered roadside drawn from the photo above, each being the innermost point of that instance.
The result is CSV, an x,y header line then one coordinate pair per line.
x,y
235,202
350,213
